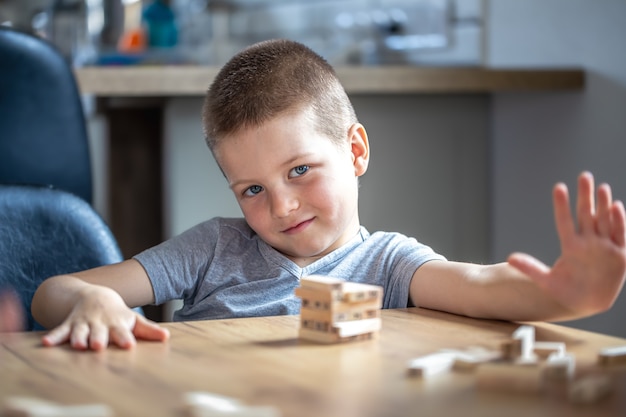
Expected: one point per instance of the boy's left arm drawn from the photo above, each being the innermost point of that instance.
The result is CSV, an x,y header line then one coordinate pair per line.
x,y
586,279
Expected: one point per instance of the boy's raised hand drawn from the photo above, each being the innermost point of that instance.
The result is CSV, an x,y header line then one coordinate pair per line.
x,y
588,276
101,319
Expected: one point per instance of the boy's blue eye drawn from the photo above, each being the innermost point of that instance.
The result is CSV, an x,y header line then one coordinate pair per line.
x,y
253,190
299,170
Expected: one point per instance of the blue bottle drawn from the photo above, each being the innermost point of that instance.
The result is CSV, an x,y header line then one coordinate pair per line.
x,y
160,24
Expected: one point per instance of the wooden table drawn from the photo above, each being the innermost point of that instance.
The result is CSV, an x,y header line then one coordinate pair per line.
x,y
261,361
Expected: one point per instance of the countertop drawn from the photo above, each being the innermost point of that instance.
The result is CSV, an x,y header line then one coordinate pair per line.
x,y
171,81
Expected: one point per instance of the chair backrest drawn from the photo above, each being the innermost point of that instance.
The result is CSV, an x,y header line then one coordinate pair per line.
x,y
43,134
45,232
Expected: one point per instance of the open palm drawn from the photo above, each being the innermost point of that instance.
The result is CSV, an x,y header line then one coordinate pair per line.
x,y
589,274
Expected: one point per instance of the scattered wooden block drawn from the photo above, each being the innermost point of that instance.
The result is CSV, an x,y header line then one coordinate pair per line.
x,y
612,356
527,336
469,359
446,359
511,349
560,366
35,407
432,364
205,404
590,389
545,349
509,377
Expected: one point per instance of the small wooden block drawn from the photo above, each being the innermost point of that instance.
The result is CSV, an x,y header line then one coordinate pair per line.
x,y
590,389
312,296
35,407
507,377
527,336
353,292
210,400
319,292
469,359
317,325
545,349
205,404
339,311
612,356
328,338
560,366
511,349
319,282
356,327
433,364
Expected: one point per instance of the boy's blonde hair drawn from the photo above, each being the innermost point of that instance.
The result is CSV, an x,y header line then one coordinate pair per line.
x,y
270,79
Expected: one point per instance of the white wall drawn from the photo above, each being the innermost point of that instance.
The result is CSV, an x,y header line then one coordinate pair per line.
x,y
538,139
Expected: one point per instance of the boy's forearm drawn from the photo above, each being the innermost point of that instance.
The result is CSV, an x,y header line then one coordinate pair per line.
x,y
502,292
484,291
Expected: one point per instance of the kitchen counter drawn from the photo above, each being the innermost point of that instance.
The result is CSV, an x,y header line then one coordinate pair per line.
x,y
150,81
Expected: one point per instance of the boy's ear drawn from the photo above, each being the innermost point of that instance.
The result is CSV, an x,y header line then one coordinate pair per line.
x,y
359,147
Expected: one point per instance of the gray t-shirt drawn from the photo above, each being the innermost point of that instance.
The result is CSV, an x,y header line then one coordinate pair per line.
x,y
222,269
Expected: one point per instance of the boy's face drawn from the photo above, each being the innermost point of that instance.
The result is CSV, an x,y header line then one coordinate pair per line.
x,y
297,189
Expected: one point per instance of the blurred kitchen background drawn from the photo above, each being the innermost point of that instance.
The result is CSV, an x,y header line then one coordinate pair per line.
x,y
369,32
469,174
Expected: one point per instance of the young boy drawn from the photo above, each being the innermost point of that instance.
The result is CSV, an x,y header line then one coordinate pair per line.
x,y
286,137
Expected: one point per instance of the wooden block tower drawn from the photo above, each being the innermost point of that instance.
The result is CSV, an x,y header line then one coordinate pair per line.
x,y
334,310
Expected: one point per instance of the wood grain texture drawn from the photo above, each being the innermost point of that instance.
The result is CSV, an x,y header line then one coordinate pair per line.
x,y
195,80
262,362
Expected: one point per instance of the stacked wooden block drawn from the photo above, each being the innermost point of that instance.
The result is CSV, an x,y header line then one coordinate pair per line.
x,y
334,310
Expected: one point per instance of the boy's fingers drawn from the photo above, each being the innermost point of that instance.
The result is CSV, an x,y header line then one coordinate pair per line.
x,y
82,336
98,337
585,206
562,214
123,337
149,330
56,336
603,219
618,229
79,338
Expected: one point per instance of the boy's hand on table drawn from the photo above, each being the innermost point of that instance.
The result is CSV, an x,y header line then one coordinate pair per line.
x,y
100,318
589,274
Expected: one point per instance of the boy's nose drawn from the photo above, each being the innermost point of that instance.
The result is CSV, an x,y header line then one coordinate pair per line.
x,y
283,203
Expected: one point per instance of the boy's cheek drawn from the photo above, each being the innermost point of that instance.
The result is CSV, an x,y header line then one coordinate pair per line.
x,y
254,215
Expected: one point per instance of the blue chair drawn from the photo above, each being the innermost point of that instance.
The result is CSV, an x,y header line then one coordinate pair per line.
x,y
43,134
44,232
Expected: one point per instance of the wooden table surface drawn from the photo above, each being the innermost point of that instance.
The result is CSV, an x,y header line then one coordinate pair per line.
x,y
261,362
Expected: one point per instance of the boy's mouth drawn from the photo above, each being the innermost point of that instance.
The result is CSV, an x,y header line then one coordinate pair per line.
x,y
298,227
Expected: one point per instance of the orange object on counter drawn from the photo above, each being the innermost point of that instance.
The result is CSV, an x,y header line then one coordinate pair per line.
x,y
133,40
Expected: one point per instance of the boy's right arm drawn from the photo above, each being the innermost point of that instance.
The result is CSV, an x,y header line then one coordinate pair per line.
x,y
89,309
